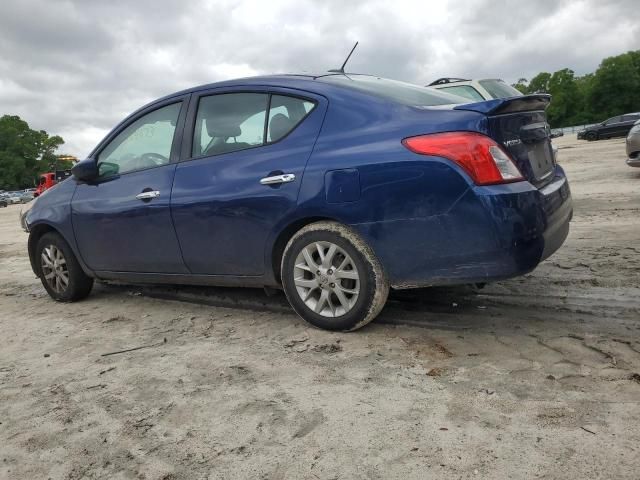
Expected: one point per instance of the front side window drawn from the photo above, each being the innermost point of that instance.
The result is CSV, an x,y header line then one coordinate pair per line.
x,y
146,143
236,121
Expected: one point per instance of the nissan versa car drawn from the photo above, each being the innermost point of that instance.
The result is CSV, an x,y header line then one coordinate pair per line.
x,y
333,187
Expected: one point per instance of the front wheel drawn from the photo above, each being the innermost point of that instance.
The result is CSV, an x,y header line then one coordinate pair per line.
x,y
332,278
59,270
591,136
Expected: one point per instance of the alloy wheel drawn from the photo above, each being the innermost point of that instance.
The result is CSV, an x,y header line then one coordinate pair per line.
x,y
54,268
326,279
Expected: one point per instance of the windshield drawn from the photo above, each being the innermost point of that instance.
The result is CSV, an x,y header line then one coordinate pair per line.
x,y
404,93
499,89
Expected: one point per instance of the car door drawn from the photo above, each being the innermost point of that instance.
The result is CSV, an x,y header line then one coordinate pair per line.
x,y
610,127
244,155
627,124
122,221
619,127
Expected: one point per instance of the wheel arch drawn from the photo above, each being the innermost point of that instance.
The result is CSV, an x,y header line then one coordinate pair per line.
x,y
283,238
35,234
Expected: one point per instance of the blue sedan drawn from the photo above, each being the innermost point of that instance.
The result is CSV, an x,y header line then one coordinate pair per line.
x,y
335,188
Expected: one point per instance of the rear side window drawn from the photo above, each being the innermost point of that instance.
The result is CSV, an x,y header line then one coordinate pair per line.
x,y
285,113
400,92
229,122
238,121
465,91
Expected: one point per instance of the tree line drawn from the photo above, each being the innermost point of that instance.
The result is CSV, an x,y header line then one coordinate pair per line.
x,y
26,153
613,89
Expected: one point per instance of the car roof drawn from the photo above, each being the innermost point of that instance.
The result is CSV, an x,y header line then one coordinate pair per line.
x,y
300,81
453,81
283,80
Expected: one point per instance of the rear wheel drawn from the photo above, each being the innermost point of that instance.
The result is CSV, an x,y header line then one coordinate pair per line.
x,y
59,270
332,278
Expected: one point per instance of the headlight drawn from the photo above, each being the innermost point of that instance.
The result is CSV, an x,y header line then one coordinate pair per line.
x,y
23,214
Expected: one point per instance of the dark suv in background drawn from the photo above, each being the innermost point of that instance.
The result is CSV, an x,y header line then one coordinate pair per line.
x,y
614,127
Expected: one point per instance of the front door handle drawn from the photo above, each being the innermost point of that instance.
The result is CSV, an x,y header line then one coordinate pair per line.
x,y
275,179
148,195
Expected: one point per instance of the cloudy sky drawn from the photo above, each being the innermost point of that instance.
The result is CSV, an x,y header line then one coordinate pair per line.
x,y
75,68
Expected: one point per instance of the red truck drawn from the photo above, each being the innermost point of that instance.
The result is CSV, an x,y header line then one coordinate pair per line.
x,y
48,180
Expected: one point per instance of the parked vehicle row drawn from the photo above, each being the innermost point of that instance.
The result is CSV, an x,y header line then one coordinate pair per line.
x,y
10,198
618,126
334,187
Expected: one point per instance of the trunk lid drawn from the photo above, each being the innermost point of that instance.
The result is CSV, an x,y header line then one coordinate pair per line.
x,y
520,125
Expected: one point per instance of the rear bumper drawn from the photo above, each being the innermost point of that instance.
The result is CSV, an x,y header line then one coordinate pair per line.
x,y
633,162
633,150
491,233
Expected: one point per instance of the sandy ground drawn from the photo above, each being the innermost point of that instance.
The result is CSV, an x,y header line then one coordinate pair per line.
x,y
537,377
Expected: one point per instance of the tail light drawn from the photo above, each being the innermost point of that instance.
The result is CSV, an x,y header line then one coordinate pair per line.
x,y
477,154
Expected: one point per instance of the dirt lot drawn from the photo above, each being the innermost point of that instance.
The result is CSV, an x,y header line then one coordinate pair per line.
x,y
533,377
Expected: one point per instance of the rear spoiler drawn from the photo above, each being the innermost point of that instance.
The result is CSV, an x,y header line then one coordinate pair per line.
x,y
526,103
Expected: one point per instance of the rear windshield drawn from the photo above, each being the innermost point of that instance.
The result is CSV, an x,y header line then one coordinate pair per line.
x,y
404,93
499,89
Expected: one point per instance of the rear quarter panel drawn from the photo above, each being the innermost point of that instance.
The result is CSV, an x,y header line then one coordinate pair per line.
x,y
412,209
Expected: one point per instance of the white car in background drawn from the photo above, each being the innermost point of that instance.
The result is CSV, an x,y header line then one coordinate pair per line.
x,y
476,90
481,90
13,197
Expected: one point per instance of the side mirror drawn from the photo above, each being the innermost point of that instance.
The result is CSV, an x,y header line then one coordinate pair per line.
x,y
85,170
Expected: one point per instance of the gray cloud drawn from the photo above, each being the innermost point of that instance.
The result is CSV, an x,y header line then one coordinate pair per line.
x,y
75,68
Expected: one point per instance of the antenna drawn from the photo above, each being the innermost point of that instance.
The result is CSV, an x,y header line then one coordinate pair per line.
x,y
341,70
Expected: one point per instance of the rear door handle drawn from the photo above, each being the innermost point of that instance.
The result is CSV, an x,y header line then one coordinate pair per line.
x,y
275,179
148,195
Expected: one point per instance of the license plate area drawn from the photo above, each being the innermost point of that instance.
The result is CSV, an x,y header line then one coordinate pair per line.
x,y
541,159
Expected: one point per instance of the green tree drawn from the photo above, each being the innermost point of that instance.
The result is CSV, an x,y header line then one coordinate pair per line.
x,y
539,83
522,85
585,113
567,103
615,87
24,153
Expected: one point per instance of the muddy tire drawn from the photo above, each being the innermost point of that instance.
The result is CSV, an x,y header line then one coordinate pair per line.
x,y
332,278
59,270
